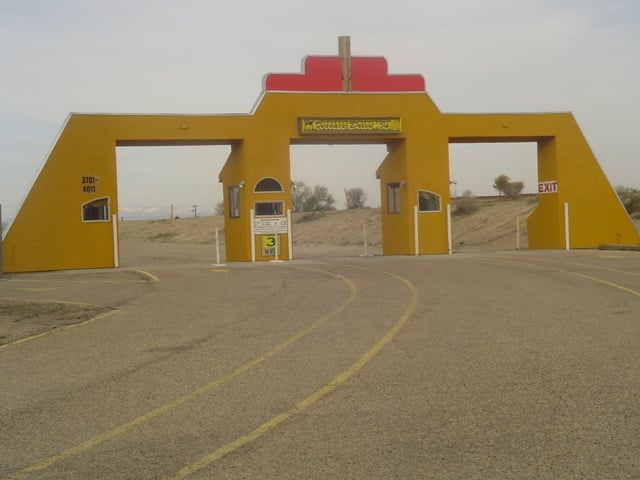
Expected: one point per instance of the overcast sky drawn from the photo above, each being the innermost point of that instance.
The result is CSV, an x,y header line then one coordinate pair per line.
x,y
203,56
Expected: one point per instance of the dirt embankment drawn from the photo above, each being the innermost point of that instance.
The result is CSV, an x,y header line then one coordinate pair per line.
x,y
492,226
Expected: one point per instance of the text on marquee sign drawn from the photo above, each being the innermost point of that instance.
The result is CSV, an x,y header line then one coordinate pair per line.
x,y
325,126
270,225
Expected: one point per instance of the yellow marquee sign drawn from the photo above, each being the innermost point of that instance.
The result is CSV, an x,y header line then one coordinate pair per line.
x,y
332,126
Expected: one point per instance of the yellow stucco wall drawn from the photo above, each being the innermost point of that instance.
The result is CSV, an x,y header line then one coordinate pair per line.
x,y
48,232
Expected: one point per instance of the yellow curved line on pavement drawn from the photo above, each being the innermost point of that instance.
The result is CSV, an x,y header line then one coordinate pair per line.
x,y
48,300
314,397
148,278
588,265
194,394
152,278
58,329
575,274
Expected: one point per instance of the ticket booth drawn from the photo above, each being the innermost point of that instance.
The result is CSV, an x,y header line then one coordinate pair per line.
x,y
270,220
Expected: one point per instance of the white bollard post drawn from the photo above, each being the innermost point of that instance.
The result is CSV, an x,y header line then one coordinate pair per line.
x,y
364,236
218,264
365,252
289,234
217,249
416,236
277,242
253,236
116,247
450,246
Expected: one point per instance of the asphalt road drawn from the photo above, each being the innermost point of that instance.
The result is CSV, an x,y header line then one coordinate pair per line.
x,y
492,366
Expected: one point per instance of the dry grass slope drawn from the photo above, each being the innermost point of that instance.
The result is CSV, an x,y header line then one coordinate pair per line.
x,y
491,228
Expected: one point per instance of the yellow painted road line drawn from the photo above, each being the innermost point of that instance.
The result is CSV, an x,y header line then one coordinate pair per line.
x,y
578,264
152,278
575,274
314,397
146,278
48,300
69,282
59,329
194,394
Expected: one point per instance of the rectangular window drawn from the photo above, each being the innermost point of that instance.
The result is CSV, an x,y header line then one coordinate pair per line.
x,y
264,209
234,201
393,197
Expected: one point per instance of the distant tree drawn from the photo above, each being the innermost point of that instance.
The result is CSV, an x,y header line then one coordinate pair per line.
x,y
630,198
219,209
355,198
305,199
513,189
300,193
505,186
319,201
500,183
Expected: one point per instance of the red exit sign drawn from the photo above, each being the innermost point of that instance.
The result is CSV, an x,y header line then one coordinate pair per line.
x,y
548,187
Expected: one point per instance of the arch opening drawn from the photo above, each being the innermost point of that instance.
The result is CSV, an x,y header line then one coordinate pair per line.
x,y
474,167
340,167
165,189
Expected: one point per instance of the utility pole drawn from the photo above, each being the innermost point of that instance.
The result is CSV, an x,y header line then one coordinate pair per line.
x,y
195,210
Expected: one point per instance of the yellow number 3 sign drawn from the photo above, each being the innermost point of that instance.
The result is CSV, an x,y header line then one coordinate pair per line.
x,y
269,243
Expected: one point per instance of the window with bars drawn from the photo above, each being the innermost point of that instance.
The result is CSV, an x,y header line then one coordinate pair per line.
x,y
393,197
234,201
265,209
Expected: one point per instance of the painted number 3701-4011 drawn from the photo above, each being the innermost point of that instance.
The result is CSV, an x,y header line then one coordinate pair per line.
x,y
88,183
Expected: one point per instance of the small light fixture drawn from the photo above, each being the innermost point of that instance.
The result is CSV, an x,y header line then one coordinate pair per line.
x,y
241,184
184,126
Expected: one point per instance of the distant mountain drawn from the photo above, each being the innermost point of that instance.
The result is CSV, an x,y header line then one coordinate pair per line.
x,y
155,213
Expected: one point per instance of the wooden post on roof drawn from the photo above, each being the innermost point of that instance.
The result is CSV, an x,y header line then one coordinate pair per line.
x,y
344,49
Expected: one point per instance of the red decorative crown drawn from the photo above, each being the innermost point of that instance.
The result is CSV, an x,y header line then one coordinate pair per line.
x,y
324,74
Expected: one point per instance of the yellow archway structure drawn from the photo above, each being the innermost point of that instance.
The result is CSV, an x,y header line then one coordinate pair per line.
x,y
69,217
